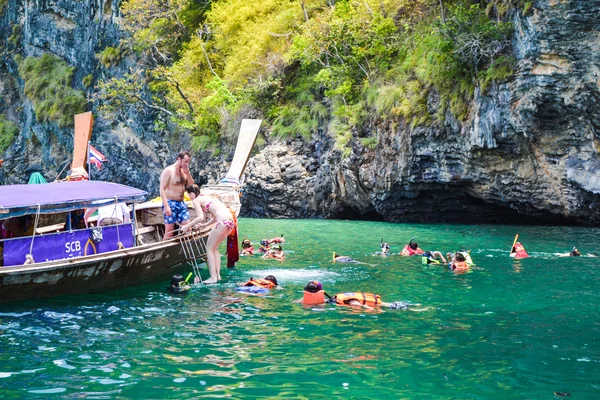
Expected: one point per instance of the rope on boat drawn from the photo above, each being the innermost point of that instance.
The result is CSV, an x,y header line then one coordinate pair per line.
x,y
29,257
114,214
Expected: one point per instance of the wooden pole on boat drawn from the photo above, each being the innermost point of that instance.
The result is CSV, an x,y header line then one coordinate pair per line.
x,y
246,139
513,245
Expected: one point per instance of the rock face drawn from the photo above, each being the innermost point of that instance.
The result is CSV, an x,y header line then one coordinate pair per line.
x,y
76,31
527,153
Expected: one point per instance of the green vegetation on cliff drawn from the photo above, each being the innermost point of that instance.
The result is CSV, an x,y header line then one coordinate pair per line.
x,y
48,86
8,132
311,64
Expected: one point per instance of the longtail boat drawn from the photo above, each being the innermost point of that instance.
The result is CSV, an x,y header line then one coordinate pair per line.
x,y
57,258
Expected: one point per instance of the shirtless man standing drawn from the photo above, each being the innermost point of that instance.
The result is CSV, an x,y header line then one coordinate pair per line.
x,y
173,182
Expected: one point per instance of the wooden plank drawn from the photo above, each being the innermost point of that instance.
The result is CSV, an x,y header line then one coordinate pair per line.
x,y
83,134
247,138
50,228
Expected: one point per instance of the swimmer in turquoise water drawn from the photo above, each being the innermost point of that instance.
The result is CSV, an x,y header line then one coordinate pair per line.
x,y
343,259
385,248
576,253
275,252
247,248
258,286
315,295
433,257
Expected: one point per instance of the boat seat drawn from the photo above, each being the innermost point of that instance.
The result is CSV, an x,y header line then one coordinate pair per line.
x,y
50,228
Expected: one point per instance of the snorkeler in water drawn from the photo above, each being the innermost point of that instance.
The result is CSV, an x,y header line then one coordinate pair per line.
x,y
278,240
247,248
314,295
178,284
412,249
258,286
275,252
269,282
576,253
459,262
385,248
433,257
343,259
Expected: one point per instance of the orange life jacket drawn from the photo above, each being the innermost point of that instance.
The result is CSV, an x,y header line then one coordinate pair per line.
x,y
368,299
410,252
460,265
263,283
313,298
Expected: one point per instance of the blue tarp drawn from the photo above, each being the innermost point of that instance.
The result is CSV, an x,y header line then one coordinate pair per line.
x,y
17,200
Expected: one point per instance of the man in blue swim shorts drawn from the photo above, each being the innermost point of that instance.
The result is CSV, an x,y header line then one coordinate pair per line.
x,y
173,182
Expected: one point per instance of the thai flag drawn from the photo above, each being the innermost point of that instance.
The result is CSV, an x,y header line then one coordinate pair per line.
x,y
96,157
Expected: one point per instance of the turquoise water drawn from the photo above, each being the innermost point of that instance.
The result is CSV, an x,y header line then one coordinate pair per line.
x,y
507,329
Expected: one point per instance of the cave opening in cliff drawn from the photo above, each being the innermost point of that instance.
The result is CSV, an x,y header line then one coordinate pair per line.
x,y
451,206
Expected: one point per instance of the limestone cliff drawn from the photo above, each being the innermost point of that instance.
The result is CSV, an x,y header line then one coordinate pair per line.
x,y
526,153
76,31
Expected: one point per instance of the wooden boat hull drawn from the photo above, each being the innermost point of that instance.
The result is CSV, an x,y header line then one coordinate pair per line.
x,y
103,272
150,261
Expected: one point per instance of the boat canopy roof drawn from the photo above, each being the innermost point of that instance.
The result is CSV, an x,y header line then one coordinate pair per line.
x,y
18,200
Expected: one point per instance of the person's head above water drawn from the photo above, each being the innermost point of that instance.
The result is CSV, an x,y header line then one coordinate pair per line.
x,y
384,245
246,244
459,257
313,287
413,245
575,252
271,278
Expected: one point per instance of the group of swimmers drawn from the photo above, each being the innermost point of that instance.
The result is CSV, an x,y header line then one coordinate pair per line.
x,y
313,294
459,260
269,248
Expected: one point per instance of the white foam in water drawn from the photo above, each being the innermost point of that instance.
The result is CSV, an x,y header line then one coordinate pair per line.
x,y
295,275
5,374
10,314
109,381
61,316
63,364
31,371
48,391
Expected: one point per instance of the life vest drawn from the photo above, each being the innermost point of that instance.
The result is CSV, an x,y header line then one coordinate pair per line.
x,y
263,283
459,265
368,299
408,251
519,251
309,298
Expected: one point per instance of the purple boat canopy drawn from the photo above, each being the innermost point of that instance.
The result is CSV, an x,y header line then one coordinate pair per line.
x,y
17,200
